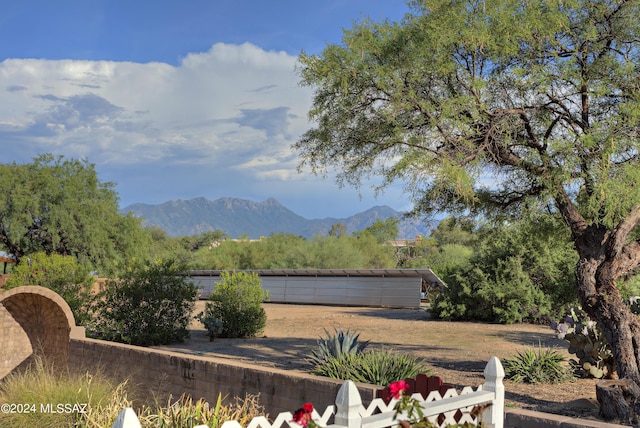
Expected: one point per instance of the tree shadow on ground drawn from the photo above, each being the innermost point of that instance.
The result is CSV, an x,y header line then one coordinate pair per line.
x,y
467,366
281,353
417,314
533,339
579,408
411,349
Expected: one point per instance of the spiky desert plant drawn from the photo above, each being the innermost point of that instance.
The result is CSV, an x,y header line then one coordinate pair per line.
x,y
378,367
335,345
543,366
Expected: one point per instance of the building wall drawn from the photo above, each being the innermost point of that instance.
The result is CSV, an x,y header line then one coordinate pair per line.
x,y
324,290
169,373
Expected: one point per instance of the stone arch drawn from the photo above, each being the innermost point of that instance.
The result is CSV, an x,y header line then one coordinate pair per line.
x,y
34,320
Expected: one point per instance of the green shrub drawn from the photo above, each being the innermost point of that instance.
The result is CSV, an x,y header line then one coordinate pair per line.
x,y
62,274
375,367
543,366
150,304
506,296
237,302
522,271
332,346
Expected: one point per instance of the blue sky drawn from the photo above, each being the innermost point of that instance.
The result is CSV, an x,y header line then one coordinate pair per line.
x,y
176,99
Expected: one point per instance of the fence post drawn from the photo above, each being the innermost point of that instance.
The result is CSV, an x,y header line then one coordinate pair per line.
x,y
126,419
493,417
348,404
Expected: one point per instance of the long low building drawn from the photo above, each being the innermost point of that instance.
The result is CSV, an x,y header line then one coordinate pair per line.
x,y
350,287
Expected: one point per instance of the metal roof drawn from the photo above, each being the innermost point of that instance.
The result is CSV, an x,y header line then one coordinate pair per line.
x,y
426,274
6,257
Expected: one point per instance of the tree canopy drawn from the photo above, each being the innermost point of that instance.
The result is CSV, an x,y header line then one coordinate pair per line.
x,y
539,99
62,274
59,206
503,107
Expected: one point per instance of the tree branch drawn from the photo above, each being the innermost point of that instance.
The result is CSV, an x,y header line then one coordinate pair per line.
x,y
624,256
570,213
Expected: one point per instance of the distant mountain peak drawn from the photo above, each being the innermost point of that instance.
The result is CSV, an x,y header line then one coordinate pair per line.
x,y
237,217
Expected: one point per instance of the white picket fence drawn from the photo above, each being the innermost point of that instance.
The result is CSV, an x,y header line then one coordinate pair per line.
x,y
349,412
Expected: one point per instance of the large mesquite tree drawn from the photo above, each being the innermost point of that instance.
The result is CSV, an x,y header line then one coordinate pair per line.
x,y
59,206
510,105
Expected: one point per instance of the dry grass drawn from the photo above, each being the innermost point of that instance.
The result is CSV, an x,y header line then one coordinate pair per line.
x,y
94,401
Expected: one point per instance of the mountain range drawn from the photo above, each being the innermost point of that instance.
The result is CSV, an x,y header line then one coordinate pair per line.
x,y
241,217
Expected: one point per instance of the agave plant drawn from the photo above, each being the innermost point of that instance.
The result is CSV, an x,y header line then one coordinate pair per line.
x,y
378,367
336,345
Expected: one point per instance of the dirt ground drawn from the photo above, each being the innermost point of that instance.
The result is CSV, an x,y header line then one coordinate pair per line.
x,y
455,351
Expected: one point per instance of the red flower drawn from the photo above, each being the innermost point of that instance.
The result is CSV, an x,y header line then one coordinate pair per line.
x,y
302,416
397,388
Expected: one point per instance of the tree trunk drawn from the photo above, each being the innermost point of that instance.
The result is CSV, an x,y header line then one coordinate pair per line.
x,y
601,299
619,399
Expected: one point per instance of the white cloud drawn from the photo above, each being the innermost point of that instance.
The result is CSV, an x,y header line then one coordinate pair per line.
x,y
220,123
218,107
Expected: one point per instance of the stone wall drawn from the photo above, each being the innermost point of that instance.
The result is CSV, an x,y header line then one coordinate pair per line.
x,y
169,373
16,347
34,321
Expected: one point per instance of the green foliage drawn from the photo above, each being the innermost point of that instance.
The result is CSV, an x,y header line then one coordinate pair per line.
x,y
508,297
445,260
150,304
338,230
237,302
333,346
541,366
424,100
588,344
447,249
630,287
203,240
286,251
59,206
456,231
376,367
383,230
62,274
374,254
162,246
520,271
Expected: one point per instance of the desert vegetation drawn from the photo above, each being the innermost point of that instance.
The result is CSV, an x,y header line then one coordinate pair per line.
x,y
234,308
537,98
99,399
148,304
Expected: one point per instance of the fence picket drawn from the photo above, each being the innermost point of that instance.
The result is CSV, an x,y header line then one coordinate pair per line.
x,y
443,406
